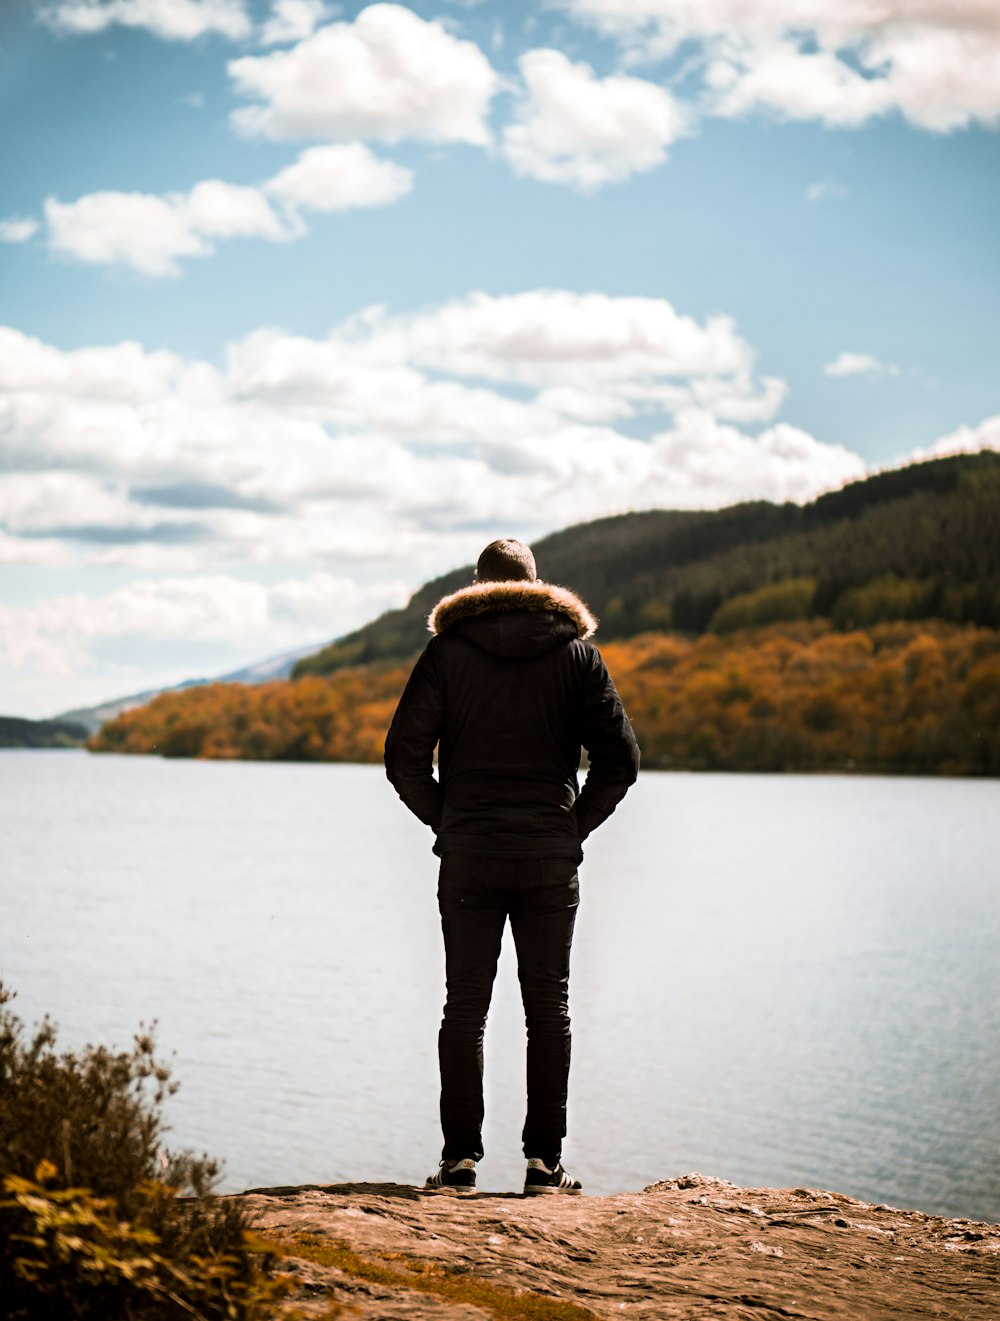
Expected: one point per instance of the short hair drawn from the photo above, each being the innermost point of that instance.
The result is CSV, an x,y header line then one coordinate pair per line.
x,y
506,560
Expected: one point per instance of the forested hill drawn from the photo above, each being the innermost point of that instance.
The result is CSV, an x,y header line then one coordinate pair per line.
x,y
16,732
921,542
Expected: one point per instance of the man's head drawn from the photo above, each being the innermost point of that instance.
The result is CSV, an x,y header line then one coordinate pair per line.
x,y
506,560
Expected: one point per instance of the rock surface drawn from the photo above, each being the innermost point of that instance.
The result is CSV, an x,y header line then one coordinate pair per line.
x,y
691,1247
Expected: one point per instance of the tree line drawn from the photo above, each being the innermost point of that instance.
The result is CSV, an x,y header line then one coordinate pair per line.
x,y
903,697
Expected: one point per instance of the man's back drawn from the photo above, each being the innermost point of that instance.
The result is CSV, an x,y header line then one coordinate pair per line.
x,y
511,689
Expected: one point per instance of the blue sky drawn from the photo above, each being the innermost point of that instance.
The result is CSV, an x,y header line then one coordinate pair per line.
x,y
302,303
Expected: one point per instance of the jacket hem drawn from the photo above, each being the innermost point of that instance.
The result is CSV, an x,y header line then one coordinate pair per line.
x,y
495,846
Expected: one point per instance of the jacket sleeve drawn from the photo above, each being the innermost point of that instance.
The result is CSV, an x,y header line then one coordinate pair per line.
x,y
410,743
614,754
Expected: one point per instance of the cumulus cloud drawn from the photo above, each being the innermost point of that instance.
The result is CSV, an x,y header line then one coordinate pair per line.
x,y
387,440
841,62
152,234
780,76
701,455
339,177
859,364
62,503
552,336
293,20
17,229
173,20
388,75
124,371
572,127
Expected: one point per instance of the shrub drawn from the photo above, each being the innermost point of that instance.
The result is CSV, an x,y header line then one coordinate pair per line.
x,y
97,1223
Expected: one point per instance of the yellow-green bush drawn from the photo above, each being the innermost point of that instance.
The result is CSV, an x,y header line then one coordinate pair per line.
x,y
97,1223
885,597
771,604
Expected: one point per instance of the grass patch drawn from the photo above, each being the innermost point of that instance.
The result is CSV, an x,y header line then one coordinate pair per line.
x,y
398,1271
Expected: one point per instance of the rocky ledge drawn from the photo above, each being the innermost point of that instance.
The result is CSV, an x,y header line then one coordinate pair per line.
x,y
692,1247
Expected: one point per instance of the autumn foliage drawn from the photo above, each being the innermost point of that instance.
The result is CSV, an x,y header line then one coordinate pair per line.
x,y
340,718
917,698
900,697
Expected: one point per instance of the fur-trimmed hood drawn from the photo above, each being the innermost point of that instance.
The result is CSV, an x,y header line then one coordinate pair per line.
x,y
514,618
488,598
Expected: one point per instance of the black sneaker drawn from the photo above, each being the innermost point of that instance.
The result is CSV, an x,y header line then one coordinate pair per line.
x,y
458,1179
540,1179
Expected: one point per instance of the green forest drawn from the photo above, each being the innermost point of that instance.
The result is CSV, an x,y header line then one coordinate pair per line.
x,y
859,632
16,732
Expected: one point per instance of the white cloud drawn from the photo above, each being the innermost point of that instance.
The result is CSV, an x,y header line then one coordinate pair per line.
x,y
17,229
779,76
585,405
859,364
964,440
59,635
226,210
573,127
293,20
48,503
701,457
152,234
393,436
842,62
365,414
385,441
173,20
50,552
738,399
388,75
552,336
124,371
135,229
339,176
943,77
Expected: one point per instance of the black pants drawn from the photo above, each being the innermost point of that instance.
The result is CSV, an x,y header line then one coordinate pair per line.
x,y
476,896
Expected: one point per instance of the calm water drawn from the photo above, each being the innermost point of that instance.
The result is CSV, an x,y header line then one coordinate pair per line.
x,y
778,980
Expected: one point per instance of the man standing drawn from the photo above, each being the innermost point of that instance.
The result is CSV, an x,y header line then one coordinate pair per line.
x,y
509,690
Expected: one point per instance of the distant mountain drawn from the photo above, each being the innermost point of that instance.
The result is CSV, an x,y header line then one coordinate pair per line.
x,y
16,732
93,717
919,542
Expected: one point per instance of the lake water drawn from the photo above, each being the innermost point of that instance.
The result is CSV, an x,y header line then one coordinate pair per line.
x,y
778,980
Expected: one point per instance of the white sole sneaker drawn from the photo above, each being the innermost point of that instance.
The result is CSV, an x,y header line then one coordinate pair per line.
x,y
458,1180
540,1181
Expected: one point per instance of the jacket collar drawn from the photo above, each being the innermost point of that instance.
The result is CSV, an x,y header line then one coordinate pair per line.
x,y
490,598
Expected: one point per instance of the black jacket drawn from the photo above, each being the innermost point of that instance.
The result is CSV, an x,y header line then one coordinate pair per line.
x,y
509,689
